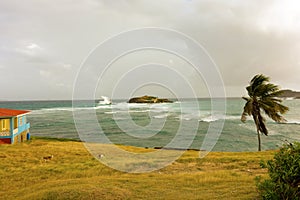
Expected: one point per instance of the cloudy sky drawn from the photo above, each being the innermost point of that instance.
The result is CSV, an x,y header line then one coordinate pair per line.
x,y
44,43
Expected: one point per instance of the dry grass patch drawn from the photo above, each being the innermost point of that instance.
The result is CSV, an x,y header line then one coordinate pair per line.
x,y
73,173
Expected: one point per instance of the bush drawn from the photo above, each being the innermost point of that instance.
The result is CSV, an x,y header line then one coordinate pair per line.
x,y
284,172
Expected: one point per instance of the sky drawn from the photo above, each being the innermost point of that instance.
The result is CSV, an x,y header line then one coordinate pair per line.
x,y
44,45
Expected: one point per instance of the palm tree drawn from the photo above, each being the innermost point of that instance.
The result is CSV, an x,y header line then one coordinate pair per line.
x,y
263,96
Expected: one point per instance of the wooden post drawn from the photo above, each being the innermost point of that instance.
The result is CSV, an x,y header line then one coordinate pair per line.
x,y
12,130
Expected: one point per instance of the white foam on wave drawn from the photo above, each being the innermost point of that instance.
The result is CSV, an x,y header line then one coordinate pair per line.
x,y
47,110
184,117
125,105
115,107
102,106
68,109
126,111
232,117
209,119
106,100
159,108
205,117
160,116
138,111
110,112
163,106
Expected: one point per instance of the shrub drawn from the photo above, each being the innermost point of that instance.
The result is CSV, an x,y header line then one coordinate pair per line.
x,y
284,172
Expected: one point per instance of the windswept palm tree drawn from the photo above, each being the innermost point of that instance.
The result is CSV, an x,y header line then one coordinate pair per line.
x,y
263,96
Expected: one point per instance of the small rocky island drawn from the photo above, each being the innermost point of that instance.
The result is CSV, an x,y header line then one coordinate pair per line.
x,y
290,94
148,99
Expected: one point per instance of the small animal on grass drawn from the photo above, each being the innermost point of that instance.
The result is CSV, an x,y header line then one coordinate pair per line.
x,y
46,158
100,156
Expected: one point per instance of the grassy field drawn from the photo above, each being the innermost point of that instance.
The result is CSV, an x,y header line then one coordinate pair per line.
x,y
73,173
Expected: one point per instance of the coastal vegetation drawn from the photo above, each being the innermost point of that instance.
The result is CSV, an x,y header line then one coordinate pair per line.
x,y
284,172
72,173
263,96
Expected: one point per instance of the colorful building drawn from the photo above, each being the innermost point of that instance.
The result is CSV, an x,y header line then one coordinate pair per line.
x,y
13,126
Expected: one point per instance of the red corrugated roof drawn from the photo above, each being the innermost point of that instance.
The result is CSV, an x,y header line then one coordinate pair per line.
x,y
4,112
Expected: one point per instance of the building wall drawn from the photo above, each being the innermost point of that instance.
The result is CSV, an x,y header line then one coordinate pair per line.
x,y
22,137
21,120
5,141
14,130
5,131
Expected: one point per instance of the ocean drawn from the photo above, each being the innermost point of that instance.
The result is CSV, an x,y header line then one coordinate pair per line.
x,y
156,125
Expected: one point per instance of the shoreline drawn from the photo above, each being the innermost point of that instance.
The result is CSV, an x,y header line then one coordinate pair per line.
x,y
57,139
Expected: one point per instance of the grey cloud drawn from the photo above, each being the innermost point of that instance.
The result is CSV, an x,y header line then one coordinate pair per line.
x,y
48,40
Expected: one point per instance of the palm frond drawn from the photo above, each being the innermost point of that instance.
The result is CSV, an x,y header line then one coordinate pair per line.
x,y
282,108
275,99
247,109
273,108
257,81
246,98
244,117
276,117
265,90
275,93
250,91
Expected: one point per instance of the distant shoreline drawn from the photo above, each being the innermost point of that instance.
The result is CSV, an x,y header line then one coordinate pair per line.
x,y
290,94
97,99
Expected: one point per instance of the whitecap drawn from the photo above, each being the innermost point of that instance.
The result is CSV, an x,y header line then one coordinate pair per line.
x,y
208,119
161,116
183,117
232,117
110,112
103,106
47,110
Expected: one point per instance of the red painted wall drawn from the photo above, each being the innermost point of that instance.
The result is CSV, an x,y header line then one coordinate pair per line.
x,y
5,141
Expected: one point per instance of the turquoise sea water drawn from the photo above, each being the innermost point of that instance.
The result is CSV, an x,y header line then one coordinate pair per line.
x,y
55,119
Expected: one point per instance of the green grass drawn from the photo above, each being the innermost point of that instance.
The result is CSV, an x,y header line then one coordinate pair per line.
x,y
74,174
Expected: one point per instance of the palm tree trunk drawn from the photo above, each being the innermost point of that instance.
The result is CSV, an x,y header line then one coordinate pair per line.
x,y
255,117
259,142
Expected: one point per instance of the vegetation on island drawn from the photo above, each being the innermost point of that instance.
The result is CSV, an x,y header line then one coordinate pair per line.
x,y
148,99
290,94
263,96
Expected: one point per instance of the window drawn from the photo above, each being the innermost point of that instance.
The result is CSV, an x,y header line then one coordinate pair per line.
x,y
20,121
15,122
4,124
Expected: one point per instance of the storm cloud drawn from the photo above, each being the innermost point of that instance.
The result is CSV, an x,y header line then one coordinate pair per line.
x,y
44,43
